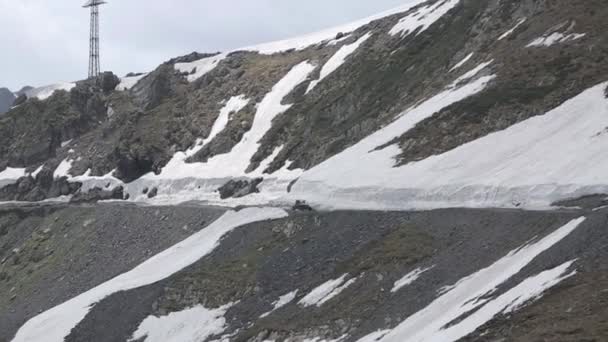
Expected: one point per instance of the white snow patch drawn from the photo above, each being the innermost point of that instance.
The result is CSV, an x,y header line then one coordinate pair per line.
x,y
191,325
66,143
127,83
326,291
409,278
423,18
468,295
200,67
37,171
530,164
10,175
55,324
266,162
338,59
281,302
510,32
470,74
462,62
45,92
63,168
555,38
360,176
327,35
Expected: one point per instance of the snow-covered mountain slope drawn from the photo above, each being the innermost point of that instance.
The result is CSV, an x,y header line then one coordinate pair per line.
x,y
432,104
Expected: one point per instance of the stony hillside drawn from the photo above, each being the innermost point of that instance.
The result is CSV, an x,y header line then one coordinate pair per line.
x,y
442,74
497,106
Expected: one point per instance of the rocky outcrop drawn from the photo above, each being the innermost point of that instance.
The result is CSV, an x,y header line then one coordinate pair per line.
x,y
152,193
6,100
23,91
239,188
97,194
108,81
44,186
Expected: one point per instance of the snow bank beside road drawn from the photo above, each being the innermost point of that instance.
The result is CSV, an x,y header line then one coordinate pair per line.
x,y
531,164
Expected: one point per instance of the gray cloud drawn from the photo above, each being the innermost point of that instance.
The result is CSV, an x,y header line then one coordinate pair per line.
x,y
47,41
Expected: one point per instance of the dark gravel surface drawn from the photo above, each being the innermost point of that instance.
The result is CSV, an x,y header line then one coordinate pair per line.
x,y
52,253
256,264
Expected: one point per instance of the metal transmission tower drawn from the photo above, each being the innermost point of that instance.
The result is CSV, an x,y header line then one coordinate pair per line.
x,y
94,64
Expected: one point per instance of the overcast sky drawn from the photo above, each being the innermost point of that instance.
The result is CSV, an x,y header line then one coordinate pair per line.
x,y
45,41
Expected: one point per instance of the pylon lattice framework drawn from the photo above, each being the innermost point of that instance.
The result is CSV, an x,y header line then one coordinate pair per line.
x,y
94,57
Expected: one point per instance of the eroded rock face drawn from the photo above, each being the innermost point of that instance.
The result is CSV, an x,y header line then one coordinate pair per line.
x,y
108,81
98,194
37,189
239,188
152,193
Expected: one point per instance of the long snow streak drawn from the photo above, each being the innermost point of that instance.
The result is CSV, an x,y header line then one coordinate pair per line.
x,y
462,62
127,83
338,59
508,33
199,68
55,324
326,291
555,38
467,296
423,18
409,278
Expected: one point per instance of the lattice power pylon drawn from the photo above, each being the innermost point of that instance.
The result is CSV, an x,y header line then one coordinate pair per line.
x,y
94,64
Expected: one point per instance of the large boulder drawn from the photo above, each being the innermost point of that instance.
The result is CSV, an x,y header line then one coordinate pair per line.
x,y
239,188
108,81
97,194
